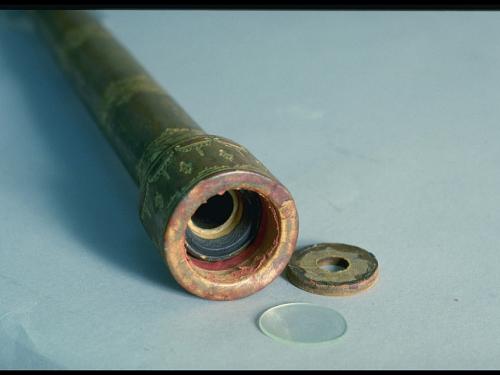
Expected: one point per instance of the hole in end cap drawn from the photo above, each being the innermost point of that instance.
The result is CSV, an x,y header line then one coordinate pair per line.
x,y
333,264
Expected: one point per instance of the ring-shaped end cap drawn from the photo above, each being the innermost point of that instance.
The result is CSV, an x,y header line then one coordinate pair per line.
x,y
333,269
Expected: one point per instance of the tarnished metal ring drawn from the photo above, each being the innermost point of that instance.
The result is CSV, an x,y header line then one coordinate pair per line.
x,y
359,269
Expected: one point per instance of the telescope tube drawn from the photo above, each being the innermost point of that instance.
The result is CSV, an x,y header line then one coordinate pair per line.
x,y
224,225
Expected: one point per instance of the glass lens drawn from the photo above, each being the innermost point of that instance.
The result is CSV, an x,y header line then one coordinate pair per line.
x,y
302,323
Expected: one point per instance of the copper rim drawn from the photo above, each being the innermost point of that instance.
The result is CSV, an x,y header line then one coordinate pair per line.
x,y
257,266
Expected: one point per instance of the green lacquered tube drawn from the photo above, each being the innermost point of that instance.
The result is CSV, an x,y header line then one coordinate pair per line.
x,y
113,85
175,164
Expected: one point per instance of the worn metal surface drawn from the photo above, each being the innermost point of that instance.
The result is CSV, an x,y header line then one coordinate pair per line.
x,y
175,164
358,271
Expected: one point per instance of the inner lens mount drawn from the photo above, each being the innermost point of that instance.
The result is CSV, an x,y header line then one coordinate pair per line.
x,y
224,226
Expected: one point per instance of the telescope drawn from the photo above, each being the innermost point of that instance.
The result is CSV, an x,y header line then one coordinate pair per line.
x,y
224,225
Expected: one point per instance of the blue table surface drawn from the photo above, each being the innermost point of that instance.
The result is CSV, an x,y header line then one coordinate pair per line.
x,y
383,125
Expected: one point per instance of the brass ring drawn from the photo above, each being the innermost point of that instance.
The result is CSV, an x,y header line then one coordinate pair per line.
x,y
226,227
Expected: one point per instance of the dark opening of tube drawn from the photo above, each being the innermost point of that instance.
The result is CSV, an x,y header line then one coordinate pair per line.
x,y
224,226
215,212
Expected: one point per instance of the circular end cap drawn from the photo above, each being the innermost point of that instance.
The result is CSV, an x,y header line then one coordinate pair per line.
x,y
333,269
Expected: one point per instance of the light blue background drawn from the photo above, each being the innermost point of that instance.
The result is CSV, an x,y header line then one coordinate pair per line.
x,y
383,125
